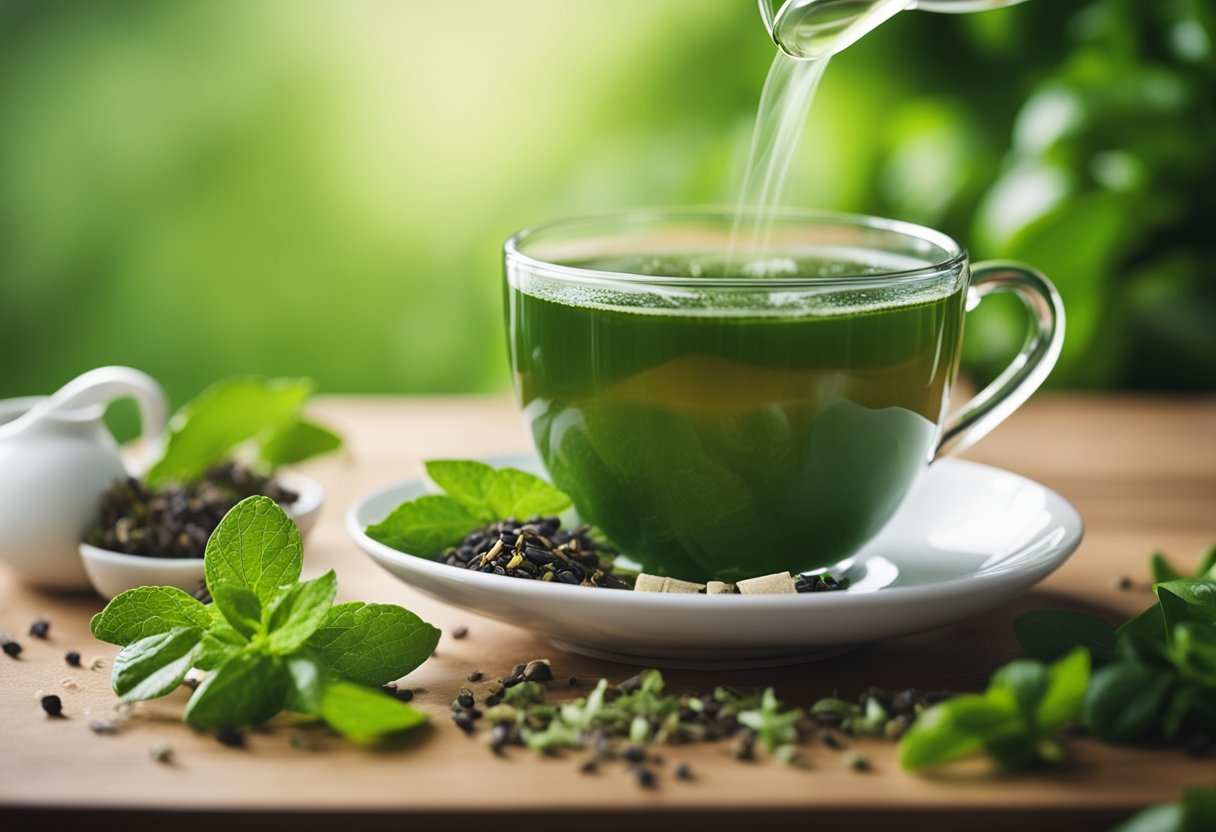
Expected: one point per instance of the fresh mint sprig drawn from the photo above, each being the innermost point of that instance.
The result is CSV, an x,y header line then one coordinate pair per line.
x,y
1016,720
269,641
1153,677
476,494
264,412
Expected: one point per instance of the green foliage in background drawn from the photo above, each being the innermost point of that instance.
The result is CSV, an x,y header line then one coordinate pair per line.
x,y
209,188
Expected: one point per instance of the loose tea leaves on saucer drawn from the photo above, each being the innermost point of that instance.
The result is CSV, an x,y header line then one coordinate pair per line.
x,y
539,550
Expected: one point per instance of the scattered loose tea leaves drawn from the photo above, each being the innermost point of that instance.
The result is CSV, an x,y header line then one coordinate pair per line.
x,y
53,705
856,761
230,736
11,648
40,628
475,676
72,658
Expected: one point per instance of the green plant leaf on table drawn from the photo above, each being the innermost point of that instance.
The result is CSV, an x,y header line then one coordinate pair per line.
x,y
1014,720
300,611
1047,635
147,611
373,643
256,546
270,641
156,665
1124,700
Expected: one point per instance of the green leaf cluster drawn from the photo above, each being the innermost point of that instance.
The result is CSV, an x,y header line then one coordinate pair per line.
x,y
1155,675
1195,813
476,494
1015,720
269,641
233,412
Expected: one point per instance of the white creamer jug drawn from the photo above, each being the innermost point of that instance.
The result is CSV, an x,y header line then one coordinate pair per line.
x,y
56,460
811,29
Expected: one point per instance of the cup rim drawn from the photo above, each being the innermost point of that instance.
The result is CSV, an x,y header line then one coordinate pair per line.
x,y
957,254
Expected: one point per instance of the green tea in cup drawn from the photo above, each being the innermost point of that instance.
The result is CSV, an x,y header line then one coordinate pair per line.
x,y
722,420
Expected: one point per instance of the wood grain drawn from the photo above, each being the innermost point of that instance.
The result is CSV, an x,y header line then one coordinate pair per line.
x,y
1142,472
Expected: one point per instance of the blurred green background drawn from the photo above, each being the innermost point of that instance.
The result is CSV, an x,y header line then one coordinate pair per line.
x,y
298,187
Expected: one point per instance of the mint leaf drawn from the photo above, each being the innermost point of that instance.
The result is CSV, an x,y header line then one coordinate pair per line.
x,y
1162,570
1024,681
248,689
957,728
257,546
1064,696
1047,635
1124,699
1199,810
465,480
1192,650
299,611
307,676
147,611
297,441
514,493
240,608
426,526
373,644
219,644
155,665
1187,601
1164,817
364,714
207,429
1207,565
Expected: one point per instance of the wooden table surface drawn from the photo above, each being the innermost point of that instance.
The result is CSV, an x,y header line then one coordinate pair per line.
x,y
1142,472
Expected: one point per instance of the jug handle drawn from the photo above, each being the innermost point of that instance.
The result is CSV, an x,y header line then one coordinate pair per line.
x,y
90,392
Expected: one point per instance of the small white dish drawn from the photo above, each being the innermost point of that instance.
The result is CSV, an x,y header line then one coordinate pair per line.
x,y
967,539
112,572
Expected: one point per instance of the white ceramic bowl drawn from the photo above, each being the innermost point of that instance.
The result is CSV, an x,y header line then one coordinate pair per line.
x,y
113,572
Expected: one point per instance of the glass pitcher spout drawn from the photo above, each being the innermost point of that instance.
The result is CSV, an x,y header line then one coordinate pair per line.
x,y
809,29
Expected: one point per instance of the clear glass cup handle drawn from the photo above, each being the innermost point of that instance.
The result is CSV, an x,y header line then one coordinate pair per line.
x,y
1029,368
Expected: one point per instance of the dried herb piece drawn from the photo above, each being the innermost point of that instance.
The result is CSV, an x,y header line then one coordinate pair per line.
x,y
230,736
72,658
161,753
11,648
40,628
53,705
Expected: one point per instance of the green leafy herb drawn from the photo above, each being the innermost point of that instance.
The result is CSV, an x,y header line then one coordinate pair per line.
x,y
1015,720
269,641
1196,813
476,495
208,429
1047,635
1156,673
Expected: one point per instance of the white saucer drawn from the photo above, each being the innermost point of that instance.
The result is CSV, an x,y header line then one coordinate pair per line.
x,y
969,538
